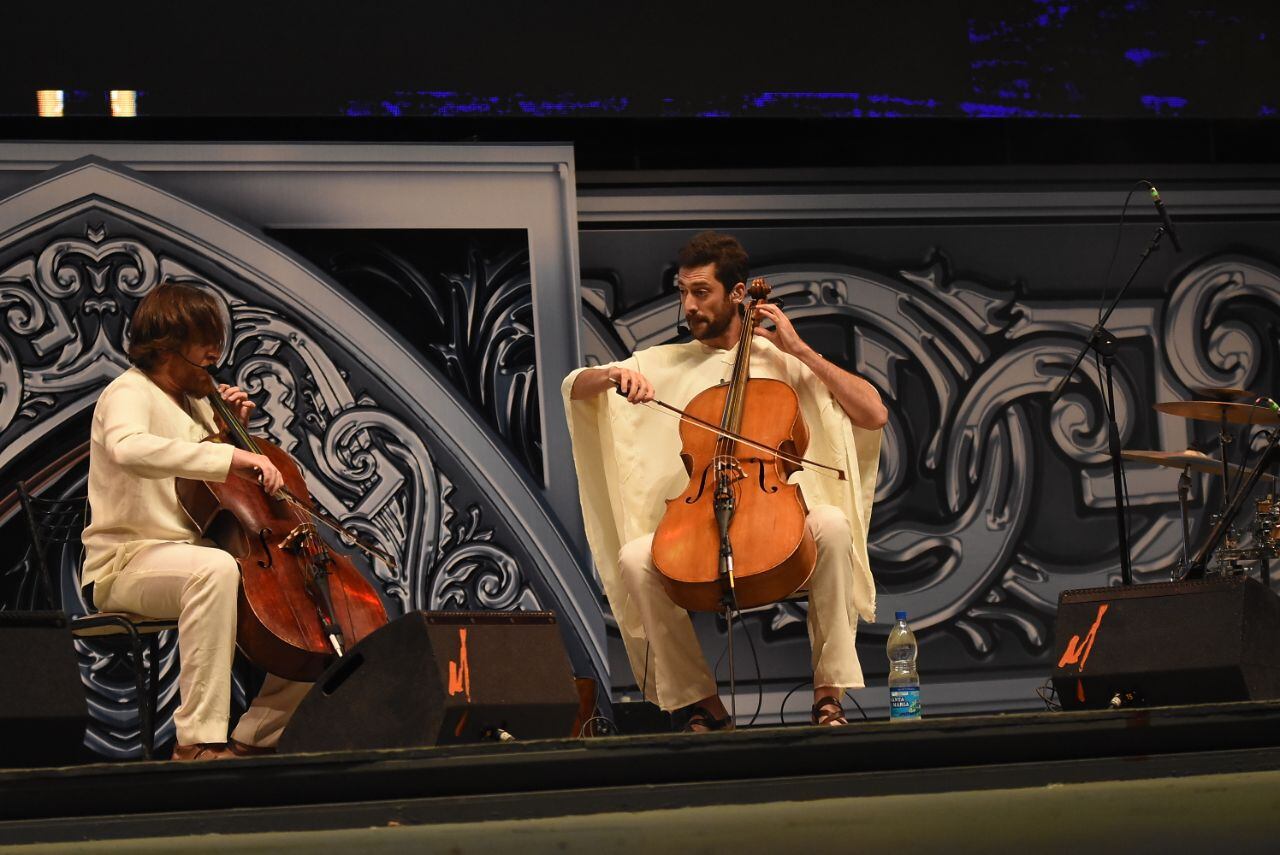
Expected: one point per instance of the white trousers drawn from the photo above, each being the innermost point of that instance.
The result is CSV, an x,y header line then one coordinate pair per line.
x,y
677,673
198,585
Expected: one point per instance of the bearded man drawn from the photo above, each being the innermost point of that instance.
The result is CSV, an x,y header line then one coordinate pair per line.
x,y
628,464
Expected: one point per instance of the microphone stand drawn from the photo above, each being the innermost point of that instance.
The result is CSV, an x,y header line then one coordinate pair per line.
x,y
1105,345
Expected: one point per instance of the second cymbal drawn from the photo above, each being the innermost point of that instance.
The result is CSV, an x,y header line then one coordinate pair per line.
x,y
1219,411
1197,460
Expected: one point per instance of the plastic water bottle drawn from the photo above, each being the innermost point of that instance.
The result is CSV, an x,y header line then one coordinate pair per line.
x,y
904,681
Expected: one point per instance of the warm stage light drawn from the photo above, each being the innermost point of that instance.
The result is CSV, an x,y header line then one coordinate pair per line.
x,y
49,103
124,102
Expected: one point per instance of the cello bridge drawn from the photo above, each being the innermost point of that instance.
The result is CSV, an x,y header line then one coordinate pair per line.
x,y
728,463
293,540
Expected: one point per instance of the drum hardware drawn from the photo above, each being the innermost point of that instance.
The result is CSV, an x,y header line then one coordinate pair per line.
x,y
1190,461
1224,408
1222,413
1222,527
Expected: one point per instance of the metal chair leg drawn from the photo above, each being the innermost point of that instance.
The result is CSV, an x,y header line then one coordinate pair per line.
x,y
139,673
153,695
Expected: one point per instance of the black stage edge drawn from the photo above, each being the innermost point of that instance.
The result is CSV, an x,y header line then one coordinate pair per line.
x,y
565,777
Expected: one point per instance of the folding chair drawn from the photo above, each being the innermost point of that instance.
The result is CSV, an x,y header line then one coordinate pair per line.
x,y
55,523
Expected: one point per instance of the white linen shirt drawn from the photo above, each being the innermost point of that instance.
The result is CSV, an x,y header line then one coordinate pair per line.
x,y
141,440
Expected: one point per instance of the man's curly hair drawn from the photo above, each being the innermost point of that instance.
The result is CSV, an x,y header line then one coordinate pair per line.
x,y
722,250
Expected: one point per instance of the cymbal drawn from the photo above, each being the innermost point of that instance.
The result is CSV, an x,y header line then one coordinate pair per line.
x,y
1197,460
1217,411
1221,393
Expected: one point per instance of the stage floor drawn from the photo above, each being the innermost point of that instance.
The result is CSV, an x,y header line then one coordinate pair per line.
x,y
767,771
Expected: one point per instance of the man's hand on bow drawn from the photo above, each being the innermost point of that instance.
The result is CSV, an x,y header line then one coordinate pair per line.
x,y
632,384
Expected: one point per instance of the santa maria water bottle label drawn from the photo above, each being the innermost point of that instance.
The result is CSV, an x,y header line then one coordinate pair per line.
x,y
904,702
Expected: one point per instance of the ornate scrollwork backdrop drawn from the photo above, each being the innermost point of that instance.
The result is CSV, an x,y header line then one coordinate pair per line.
x,y
465,301
989,503
67,293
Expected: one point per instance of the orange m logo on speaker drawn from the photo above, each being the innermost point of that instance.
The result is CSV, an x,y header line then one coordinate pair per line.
x,y
1077,653
460,671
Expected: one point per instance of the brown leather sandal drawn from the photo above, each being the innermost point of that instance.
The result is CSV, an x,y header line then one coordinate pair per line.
x,y
827,712
202,751
702,721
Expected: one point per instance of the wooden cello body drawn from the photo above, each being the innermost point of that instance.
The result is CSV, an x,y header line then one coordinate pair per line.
x,y
772,551
300,604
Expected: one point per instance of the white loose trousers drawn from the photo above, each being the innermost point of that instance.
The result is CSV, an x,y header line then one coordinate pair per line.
x,y
677,672
199,585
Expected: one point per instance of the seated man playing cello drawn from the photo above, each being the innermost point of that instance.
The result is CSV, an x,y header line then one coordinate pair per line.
x,y
628,463
142,552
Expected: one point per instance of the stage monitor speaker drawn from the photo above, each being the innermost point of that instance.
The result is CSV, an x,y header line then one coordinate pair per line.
x,y
43,711
438,677
1202,641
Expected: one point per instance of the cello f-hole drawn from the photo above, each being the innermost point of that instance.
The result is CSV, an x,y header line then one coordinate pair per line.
x,y
772,489
702,485
263,534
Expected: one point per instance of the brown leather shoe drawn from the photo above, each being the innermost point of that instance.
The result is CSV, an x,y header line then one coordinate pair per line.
x,y
244,749
202,751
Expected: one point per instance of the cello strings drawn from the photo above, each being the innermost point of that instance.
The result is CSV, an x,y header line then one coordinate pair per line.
x,y
389,560
241,432
234,425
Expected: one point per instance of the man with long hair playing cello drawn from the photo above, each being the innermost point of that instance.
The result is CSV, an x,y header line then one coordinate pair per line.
x,y
142,552
628,463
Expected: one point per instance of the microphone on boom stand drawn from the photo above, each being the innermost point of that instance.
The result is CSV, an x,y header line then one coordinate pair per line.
x,y
1104,343
1165,219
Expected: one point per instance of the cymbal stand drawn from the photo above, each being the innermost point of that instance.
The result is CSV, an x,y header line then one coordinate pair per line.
x,y
1224,440
1184,488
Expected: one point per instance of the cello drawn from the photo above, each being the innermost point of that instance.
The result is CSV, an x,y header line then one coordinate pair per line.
x,y
736,536
300,604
